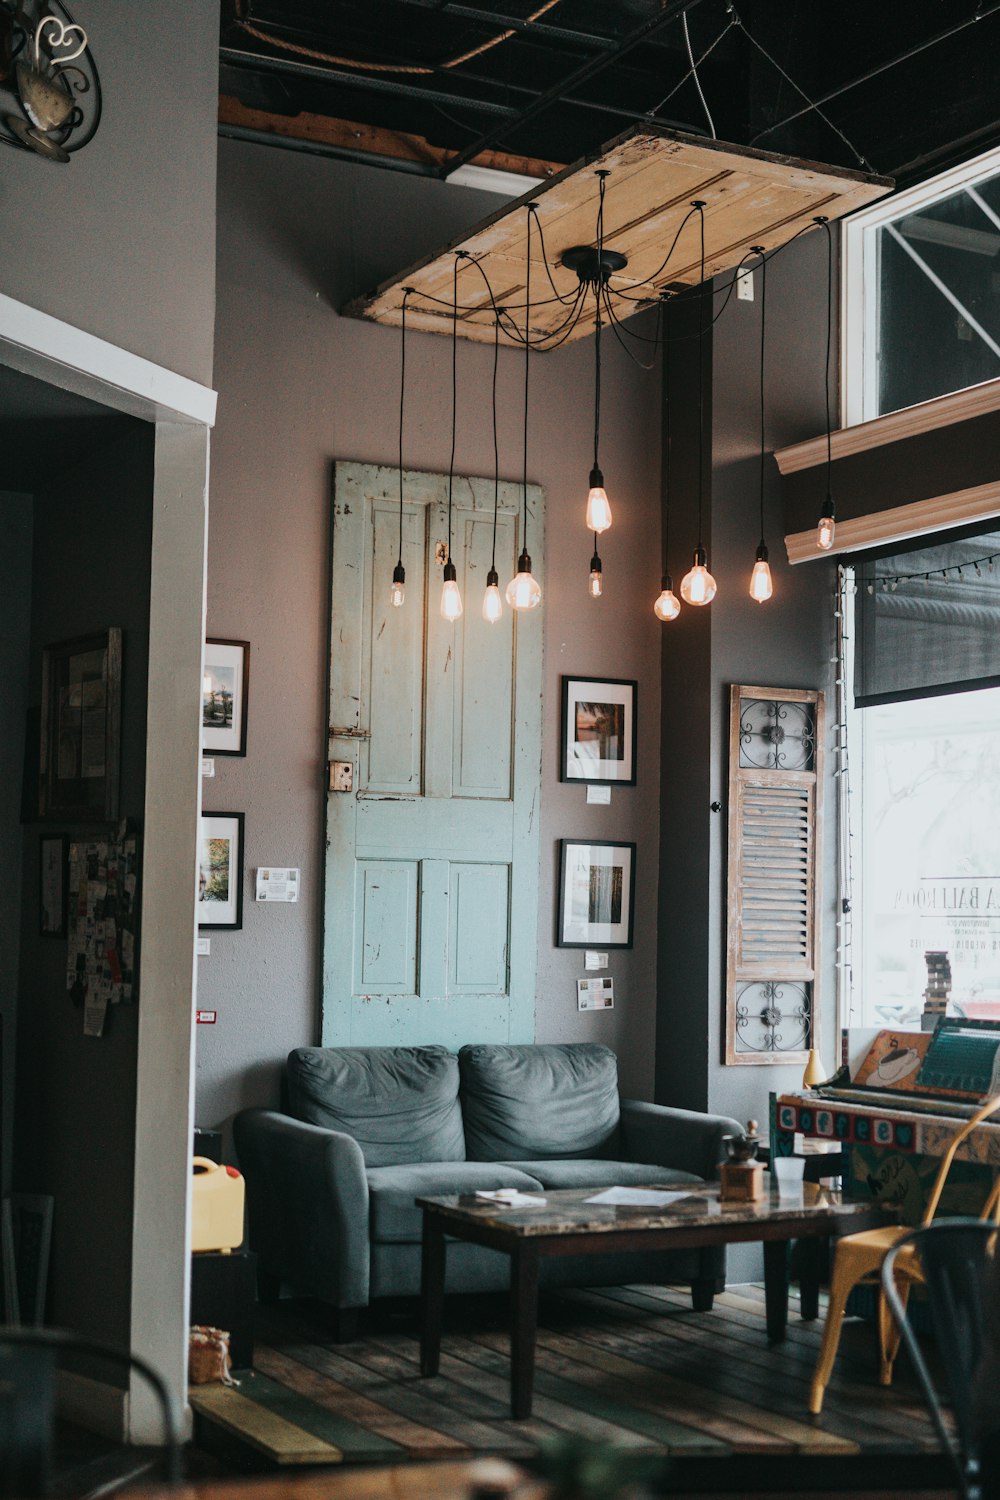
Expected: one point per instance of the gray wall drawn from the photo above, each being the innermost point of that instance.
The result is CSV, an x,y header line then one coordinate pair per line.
x,y
298,387
120,241
787,642
76,1095
15,627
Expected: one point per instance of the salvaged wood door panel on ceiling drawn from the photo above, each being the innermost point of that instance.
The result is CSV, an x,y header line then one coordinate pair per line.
x,y
752,198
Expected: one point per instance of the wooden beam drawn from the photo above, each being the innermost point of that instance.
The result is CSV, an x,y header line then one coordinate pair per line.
x,y
373,140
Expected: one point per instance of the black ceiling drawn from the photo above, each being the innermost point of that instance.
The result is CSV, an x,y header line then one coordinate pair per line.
x,y
908,88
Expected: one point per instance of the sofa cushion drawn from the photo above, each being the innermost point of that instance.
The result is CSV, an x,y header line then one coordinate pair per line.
x,y
399,1103
393,1215
539,1101
585,1172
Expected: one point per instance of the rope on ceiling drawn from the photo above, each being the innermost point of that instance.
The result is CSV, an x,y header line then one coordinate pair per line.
x,y
370,67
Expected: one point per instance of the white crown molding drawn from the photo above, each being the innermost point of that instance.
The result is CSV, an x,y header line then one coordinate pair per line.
x,y
980,503
943,411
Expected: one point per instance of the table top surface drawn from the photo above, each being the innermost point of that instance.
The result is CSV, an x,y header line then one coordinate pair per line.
x,y
567,1212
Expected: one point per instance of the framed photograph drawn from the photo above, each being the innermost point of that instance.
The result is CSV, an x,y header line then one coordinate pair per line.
x,y
224,697
598,730
596,894
220,870
52,866
80,732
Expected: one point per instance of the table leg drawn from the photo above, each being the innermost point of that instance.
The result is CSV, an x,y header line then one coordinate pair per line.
x,y
432,1266
776,1288
810,1264
524,1322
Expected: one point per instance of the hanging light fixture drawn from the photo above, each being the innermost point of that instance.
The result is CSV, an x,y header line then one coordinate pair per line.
x,y
827,518
492,604
761,587
397,592
596,581
451,598
667,606
524,591
698,586
598,505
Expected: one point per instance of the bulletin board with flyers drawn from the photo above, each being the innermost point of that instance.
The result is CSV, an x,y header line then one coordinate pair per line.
x,y
101,961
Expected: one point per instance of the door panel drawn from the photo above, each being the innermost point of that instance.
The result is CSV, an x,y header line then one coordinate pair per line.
x,y
432,858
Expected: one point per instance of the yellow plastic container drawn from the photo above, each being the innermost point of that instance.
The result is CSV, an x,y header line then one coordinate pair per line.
x,y
216,1206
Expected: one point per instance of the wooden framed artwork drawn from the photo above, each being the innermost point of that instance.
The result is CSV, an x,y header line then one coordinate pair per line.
x,y
224,684
596,894
598,730
80,738
220,870
53,865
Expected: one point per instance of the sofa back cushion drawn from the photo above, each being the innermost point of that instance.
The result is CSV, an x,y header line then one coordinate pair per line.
x,y
399,1103
545,1100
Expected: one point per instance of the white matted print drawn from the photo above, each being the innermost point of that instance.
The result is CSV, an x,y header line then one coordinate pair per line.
x,y
224,683
598,730
596,893
220,870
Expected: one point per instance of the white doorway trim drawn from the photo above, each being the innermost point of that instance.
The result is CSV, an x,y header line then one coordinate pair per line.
x,y
183,412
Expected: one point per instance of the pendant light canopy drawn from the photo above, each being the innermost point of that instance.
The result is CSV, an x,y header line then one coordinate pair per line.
x,y
827,517
761,587
451,598
397,593
524,591
698,586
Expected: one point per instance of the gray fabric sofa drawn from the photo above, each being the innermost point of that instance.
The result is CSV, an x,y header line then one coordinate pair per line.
x,y
331,1185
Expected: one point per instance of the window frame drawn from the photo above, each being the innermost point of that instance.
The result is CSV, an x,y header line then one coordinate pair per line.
x,y
859,275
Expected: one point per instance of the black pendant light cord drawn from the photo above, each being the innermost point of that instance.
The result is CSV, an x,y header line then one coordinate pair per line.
x,y
454,395
598,292
701,374
763,329
527,358
665,318
496,445
402,391
829,345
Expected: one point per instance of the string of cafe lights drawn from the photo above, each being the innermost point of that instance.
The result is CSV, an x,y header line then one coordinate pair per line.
x,y
954,573
594,265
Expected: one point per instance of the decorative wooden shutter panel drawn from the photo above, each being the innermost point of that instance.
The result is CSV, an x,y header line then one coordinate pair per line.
x,y
775,820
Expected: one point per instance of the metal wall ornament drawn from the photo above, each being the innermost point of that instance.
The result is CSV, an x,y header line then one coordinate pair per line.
x,y
777,734
50,91
774,1016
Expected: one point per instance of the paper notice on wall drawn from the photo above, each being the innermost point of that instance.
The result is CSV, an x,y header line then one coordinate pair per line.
x,y
595,994
94,1011
275,884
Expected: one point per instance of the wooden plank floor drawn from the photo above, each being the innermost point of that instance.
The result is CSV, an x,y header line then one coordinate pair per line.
x,y
634,1366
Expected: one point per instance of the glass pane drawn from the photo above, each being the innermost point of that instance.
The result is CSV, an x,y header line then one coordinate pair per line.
x,y
939,297
927,885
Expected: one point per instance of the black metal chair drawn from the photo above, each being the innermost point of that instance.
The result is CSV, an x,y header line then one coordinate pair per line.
x,y
27,1407
961,1273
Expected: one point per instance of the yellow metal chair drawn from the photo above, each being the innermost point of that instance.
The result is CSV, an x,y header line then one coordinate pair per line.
x,y
858,1258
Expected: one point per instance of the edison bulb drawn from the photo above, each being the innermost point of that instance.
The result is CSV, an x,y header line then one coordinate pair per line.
x,y
492,604
596,581
698,586
667,605
760,579
598,510
524,591
824,533
397,592
451,599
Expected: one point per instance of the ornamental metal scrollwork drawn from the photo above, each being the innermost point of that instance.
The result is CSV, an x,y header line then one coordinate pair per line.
x,y
50,92
777,734
773,1015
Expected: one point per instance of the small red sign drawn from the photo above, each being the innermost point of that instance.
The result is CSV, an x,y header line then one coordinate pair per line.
x,y
205,1017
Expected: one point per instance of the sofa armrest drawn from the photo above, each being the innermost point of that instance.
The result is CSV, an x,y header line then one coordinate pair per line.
x,y
681,1138
308,1205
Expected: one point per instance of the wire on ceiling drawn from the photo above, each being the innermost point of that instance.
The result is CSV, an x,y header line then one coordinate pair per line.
x,y
697,80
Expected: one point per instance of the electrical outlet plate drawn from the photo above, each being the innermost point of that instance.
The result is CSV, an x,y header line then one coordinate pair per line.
x,y
744,286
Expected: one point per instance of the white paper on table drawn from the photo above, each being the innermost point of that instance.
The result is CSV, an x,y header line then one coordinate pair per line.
x,y
637,1197
509,1198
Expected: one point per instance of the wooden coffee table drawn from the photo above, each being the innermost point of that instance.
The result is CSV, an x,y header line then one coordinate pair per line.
x,y
568,1225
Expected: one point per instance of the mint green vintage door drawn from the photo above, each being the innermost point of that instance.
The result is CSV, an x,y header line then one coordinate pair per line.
x,y
430,922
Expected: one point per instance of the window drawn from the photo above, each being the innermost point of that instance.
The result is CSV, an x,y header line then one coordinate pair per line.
x,y
921,293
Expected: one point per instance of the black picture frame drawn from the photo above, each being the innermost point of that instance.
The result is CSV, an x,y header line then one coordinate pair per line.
x,y
583,899
214,912
225,688
599,722
53,885
80,730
